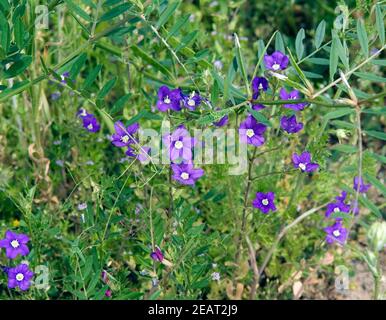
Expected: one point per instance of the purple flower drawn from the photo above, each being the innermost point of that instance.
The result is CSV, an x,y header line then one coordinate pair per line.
x,y
123,136
259,83
91,123
15,244
108,293
144,154
169,99
179,144
292,95
290,125
130,152
335,207
251,131
336,233
192,101
360,185
264,202
186,174
64,76
157,255
303,162
276,61
55,95
20,276
222,122
82,112
258,107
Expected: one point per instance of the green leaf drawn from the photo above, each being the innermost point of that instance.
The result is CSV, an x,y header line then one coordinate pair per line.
x,y
362,37
370,76
91,77
319,33
78,10
343,124
376,134
380,24
178,26
261,52
229,78
5,37
187,40
106,88
279,43
241,63
379,62
77,66
377,157
140,53
115,12
334,59
299,71
369,205
18,67
345,148
299,45
4,6
376,183
259,116
320,61
167,13
338,113
19,32
120,104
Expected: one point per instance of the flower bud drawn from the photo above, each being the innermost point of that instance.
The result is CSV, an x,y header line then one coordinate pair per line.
x,y
377,235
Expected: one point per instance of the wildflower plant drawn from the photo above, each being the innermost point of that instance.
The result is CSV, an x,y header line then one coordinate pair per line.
x,y
105,141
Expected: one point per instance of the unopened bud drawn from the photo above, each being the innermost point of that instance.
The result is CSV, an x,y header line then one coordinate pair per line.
x,y
377,236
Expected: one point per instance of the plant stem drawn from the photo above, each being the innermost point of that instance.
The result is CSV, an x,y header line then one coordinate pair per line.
x,y
282,233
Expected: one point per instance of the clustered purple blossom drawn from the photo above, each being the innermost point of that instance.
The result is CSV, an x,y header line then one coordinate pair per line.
x,y
15,245
90,122
337,232
303,162
292,95
251,131
175,99
290,125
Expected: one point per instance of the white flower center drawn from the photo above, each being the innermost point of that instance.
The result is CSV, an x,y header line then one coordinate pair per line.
x,y
336,209
250,133
90,127
167,100
83,112
178,145
15,244
125,139
260,86
265,202
19,277
185,175
336,233
276,66
191,103
302,166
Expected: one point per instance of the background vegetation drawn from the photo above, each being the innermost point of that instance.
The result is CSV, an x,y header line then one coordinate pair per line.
x,y
118,53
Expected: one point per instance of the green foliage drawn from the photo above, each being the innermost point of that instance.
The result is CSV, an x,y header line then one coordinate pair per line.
x,y
118,53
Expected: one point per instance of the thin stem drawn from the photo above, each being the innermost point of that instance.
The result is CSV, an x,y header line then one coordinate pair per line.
x,y
282,233
245,206
349,73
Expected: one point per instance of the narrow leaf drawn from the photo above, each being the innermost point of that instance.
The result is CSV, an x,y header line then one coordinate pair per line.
x,y
299,45
319,33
